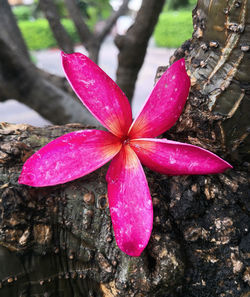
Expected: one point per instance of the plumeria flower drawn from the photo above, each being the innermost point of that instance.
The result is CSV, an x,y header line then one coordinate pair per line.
x,y
127,143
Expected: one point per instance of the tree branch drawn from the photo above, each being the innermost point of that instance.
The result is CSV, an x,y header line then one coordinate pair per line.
x,y
83,31
61,35
132,46
20,80
10,30
110,22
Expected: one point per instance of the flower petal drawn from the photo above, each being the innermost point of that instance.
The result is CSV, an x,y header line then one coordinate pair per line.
x,y
164,105
175,158
129,202
68,157
98,92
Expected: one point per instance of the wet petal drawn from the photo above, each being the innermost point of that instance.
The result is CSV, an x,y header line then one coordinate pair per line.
x,y
164,105
175,158
129,202
68,157
98,92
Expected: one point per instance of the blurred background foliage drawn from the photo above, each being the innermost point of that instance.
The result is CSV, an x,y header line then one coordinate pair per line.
x,y
173,28
36,30
83,25
38,35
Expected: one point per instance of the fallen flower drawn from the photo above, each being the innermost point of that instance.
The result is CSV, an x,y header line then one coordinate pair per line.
x,y
129,144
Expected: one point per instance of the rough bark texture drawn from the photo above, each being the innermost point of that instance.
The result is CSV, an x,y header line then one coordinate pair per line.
x,y
58,241
133,46
218,58
62,37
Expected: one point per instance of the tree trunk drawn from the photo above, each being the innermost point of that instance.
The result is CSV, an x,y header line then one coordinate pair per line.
x,y
218,63
94,50
61,35
133,46
89,40
58,241
10,31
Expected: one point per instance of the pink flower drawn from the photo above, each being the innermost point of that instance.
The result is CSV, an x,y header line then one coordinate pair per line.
x,y
127,143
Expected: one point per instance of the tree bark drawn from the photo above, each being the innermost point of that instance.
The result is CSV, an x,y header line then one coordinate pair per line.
x,y
218,63
62,37
58,241
133,46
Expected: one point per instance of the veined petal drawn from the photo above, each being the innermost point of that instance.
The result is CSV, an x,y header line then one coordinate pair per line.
x,y
129,202
68,157
175,158
164,105
98,92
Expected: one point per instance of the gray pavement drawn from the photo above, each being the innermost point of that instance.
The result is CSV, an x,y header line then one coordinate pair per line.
x,y
49,60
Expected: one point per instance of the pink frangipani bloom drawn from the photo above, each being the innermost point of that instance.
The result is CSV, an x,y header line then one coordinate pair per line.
x,y
127,143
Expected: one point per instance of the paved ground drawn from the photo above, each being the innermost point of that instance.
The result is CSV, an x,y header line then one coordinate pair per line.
x,y
14,112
